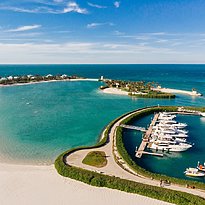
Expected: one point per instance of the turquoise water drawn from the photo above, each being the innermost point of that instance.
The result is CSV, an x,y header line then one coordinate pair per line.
x,y
40,121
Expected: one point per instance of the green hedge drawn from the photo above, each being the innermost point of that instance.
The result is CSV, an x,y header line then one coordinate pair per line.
x,y
123,152
154,95
96,179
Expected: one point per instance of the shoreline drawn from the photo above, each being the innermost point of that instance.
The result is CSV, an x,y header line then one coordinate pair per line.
x,y
170,90
116,91
30,184
50,81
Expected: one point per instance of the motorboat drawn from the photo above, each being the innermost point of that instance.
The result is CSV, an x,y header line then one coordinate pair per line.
x,y
193,172
166,117
201,167
174,133
171,146
171,123
171,138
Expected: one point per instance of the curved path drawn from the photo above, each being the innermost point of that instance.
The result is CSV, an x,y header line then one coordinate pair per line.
x,y
113,169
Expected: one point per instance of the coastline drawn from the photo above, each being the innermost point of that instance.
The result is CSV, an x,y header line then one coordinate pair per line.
x,y
170,90
50,81
114,91
30,184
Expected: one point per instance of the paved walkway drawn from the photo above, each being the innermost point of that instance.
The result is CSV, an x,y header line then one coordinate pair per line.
x,y
113,169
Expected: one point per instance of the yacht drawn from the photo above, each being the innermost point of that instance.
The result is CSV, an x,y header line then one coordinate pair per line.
x,y
171,138
169,132
171,146
166,117
172,123
193,172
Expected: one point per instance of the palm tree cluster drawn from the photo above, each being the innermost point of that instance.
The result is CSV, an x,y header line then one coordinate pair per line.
x,y
132,86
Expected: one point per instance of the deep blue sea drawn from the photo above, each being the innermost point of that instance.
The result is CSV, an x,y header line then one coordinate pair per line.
x,y
40,121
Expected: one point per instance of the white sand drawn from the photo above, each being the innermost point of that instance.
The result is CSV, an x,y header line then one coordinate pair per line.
x,y
168,90
31,185
114,91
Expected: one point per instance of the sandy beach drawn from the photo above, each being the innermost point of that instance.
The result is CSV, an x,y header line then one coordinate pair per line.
x,y
29,184
184,92
114,91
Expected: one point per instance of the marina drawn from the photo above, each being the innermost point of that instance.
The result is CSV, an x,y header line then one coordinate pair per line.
x,y
164,134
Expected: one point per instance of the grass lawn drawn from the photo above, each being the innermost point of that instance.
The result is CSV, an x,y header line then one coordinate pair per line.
x,y
96,159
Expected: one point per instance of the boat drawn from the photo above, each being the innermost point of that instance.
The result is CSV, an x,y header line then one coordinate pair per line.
x,y
174,133
201,167
171,138
193,172
171,146
172,123
166,117
202,114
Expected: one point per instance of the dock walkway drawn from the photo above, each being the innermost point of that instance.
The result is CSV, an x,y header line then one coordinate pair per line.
x,y
132,127
146,138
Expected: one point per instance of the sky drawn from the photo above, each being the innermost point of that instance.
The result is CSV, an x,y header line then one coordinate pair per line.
x,y
102,31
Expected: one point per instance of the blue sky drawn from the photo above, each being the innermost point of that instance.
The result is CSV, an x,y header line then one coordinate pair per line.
x,y
102,31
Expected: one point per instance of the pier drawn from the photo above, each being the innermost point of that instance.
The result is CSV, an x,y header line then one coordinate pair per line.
x,y
145,140
142,129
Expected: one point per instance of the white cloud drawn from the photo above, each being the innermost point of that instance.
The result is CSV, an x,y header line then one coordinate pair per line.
x,y
117,4
94,25
74,7
24,28
97,6
54,8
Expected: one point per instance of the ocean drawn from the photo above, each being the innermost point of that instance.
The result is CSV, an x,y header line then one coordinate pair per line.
x,y
40,121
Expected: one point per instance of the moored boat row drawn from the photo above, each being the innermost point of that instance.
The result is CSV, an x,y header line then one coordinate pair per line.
x,y
169,135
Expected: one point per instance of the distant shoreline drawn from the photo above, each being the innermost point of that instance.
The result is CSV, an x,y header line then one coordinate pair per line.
x,y
49,81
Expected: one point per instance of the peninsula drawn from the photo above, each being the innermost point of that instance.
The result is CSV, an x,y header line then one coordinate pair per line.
x,y
140,89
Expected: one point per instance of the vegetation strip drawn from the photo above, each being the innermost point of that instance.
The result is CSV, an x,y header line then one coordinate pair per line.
x,y
102,180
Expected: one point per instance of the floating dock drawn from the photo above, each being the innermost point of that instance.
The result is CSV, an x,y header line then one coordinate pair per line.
x,y
146,139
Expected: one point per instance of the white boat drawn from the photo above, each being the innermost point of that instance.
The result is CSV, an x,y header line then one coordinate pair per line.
x,y
193,172
202,114
172,123
171,128
172,132
171,146
166,117
171,138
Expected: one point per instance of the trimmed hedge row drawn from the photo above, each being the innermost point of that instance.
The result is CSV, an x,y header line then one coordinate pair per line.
x,y
96,179
123,152
154,95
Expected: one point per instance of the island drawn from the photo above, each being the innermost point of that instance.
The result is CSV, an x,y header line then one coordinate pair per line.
x,y
140,89
29,79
